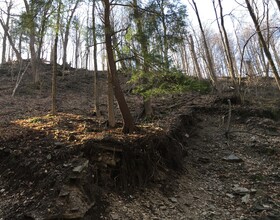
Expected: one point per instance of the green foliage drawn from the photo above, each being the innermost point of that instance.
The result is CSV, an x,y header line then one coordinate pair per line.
x,y
166,82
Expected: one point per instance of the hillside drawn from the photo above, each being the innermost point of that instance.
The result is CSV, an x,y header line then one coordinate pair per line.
x,y
190,161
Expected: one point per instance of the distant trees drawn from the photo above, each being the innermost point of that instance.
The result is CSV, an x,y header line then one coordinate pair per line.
x,y
152,42
210,63
70,7
29,24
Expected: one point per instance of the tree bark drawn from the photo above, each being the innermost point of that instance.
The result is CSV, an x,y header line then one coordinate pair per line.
x,y
110,101
278,4
142,39
54,76
95,70
128,126
4,45
194,58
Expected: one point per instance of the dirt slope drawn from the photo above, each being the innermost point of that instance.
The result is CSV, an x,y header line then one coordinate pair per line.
x,y
178,165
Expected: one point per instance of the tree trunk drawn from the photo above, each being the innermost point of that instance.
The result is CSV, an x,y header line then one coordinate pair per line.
x,y
110,101
95,70
66,36
43,27
77,47
262,40
210,64
165,37
225,41
142,39
4,44
29,7
54,76
194,58
128,121
33,57
278,4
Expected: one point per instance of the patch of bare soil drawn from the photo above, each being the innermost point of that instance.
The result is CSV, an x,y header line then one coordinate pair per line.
x,y
191,161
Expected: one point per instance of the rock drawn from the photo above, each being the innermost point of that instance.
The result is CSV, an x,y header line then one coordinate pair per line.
x,y
80,168
253,190
49,156
173,200
232,158
254,139
75,204
261,207
114,216
230,195
240,190
64,193
204,213
2,190
162,207
245,199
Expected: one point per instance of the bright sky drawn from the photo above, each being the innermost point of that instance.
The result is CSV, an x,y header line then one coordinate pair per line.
x,y
206,11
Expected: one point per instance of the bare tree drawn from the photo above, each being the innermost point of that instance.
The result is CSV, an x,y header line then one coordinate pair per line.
x,y
128,121
194,58
95,70
67,32
225,41
11,42
210,64
263,42
46,13
54,76
4,44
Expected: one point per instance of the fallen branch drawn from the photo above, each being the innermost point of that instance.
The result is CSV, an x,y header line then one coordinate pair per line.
x,y
19,79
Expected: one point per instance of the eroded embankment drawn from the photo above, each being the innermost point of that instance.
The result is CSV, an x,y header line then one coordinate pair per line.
x,y
51,180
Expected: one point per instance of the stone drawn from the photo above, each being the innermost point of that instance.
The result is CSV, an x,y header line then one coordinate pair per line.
x,y
232,158
162,207
80,168
261,207
245,199
230,195
253,190
240,190
115,216
173,200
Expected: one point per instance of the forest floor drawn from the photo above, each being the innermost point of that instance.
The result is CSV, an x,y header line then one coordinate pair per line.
x,y
190,161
